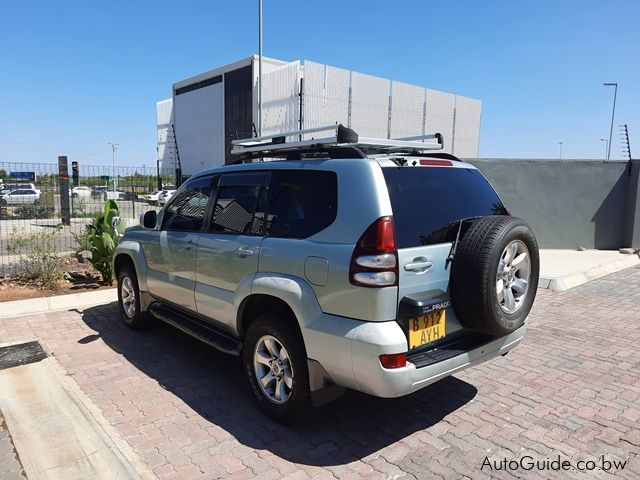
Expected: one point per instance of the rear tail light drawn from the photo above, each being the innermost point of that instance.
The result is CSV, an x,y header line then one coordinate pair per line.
x,y
374,262
394,360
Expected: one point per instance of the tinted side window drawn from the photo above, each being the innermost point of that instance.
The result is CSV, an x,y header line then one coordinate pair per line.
x,y
427,203
302,203
187,210
239,209
240,203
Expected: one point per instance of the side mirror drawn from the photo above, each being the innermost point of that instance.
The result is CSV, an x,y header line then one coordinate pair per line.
x,y
148,219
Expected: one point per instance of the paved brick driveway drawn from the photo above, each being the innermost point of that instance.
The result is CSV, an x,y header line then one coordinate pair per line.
x,y
571,389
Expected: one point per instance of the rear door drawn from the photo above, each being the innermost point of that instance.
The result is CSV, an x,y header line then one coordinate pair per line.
x,y
228,251
428,203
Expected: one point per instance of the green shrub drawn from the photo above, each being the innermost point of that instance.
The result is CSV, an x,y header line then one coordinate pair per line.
x,y
83,239
39,264
29,212
104,233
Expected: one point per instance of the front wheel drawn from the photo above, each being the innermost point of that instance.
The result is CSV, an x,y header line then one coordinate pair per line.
x,y
275,363
129,299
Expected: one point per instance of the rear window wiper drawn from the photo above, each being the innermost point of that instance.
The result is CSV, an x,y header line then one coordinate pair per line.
x,y
454,245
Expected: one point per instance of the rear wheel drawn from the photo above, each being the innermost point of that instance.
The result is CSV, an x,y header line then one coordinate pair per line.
x,y
129,299
275,363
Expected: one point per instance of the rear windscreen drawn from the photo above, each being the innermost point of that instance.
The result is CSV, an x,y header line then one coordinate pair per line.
x,y
427,203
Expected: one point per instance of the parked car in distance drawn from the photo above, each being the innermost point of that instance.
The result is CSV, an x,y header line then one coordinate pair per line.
x,y
24,196
81,192
98,191
152,198
115,195
165,195
379,266
6,187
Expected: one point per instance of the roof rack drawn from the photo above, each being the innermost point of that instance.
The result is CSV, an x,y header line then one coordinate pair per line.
x,y
339,142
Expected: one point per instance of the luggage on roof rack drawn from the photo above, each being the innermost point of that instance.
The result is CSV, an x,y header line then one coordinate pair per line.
x,y
339,142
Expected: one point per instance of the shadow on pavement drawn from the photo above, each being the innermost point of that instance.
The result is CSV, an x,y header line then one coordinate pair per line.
x,y
213,385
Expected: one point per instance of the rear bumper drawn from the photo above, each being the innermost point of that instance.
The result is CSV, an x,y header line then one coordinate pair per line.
x,y
349,351
372,378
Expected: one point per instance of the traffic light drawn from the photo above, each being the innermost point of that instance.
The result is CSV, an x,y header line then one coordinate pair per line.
x,y
75,173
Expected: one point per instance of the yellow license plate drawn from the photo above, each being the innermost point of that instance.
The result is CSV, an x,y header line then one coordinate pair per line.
x,y
427,328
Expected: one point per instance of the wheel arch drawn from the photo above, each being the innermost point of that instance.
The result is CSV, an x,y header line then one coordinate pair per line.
x,y
255,304
131,253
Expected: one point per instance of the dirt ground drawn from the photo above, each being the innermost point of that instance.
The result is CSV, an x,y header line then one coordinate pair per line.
x,y
79,277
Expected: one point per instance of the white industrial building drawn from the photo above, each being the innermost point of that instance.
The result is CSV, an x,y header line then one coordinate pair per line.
x,y
207,111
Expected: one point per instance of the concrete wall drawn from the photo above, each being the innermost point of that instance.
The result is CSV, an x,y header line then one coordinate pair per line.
x,y
591,203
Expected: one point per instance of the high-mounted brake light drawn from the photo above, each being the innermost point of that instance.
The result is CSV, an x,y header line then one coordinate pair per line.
x,y
394,360
374,262
436,163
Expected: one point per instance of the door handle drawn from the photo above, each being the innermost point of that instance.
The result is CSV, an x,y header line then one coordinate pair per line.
x,y
418,265
189,244
244,252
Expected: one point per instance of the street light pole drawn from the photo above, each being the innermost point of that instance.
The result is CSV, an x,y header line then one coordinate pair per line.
x,y
259,68
606,146
114,147
560,143
613,114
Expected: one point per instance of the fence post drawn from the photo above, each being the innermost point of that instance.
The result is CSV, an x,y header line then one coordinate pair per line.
x,y
63,184
159,175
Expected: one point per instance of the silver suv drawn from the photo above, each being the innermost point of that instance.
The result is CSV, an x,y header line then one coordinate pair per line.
x,y
351,263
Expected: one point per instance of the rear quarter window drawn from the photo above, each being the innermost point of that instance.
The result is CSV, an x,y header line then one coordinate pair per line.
x,y
301,203
427,202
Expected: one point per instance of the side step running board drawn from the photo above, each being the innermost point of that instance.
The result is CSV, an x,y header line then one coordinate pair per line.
x,y
197,328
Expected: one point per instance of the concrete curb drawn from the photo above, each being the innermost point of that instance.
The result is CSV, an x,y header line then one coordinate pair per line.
x,y
79,442
57,302
566,282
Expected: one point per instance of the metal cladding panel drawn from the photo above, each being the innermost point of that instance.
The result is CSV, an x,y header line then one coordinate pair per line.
x,y
280,100
407,110
164,111
467,127
164,122
369,105
440,113
199,118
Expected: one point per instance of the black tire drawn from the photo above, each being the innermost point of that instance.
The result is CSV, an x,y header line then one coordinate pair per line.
x,y
474,275
138,320
36,202
298,403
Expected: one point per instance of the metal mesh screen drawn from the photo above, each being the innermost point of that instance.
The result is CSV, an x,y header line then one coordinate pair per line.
x,y
440,107
280,99
27,215
369,105
467,127
407,110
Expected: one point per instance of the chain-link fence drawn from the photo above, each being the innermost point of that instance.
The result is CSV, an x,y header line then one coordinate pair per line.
x,y
31,207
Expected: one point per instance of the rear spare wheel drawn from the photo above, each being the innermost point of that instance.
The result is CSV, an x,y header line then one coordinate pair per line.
x,y
494,275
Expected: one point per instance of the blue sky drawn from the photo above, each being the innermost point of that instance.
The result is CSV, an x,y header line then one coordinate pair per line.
x,y
76,75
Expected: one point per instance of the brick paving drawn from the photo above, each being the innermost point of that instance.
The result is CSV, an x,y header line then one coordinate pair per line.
x,y
572,389
10,466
